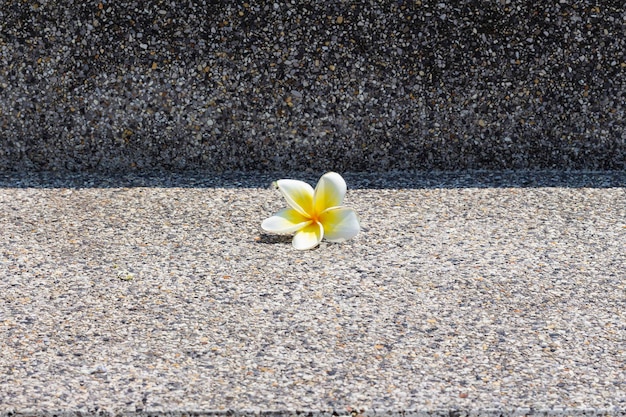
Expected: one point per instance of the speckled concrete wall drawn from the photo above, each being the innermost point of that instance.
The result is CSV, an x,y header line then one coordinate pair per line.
x,y
339,85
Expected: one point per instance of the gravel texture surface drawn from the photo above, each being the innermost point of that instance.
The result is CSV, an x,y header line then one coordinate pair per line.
x,y
336,85
475,293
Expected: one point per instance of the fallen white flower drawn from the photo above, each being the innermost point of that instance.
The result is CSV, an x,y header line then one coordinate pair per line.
x,y
314,214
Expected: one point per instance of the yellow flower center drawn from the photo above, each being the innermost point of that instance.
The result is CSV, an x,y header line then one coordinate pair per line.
x,y
315,217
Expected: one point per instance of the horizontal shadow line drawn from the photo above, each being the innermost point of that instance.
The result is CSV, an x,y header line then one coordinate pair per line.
x,y
355,180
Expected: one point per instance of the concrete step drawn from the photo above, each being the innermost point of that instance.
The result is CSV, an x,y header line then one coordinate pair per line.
x,y
335,85
464,294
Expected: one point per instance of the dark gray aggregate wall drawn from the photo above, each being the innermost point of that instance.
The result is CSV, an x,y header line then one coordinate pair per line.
x,y
343,85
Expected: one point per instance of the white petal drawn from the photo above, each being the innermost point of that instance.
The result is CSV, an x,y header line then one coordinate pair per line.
x,y
308,237
285,221
299,195
329,192
340,224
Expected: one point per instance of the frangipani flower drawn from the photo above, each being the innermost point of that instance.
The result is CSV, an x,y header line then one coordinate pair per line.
x,y
314,214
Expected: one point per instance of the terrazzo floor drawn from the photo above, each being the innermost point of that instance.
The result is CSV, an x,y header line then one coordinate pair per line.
x,y
464,294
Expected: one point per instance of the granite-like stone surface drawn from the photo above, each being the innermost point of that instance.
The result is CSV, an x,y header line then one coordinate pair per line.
x,y
118,85
486,294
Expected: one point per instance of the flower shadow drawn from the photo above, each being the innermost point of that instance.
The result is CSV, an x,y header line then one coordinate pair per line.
x,y
273,239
